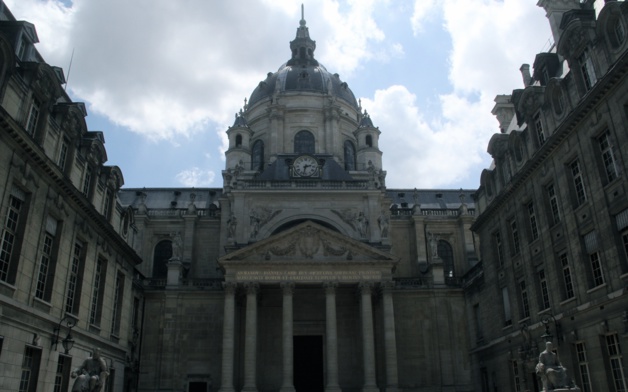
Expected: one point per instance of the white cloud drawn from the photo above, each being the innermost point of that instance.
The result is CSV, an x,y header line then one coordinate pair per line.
x,y
423,9
196,177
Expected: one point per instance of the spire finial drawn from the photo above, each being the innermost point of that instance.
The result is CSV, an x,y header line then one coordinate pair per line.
x,y
302,22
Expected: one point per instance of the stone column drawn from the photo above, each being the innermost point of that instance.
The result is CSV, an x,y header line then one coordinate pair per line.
x,y
250,339
226,383
331,336
390,340
288,366
368,340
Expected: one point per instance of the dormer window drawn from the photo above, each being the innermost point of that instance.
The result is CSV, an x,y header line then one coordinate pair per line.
x,y
304,143
586,69
33,116
620,32
369,141
238,141
538,126
22,48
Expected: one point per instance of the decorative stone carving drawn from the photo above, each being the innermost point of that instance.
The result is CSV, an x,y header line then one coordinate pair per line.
x,y
356,219
383,222
177,246
259,216
232,225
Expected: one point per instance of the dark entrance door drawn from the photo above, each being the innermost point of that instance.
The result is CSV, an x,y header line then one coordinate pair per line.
x,y
308,363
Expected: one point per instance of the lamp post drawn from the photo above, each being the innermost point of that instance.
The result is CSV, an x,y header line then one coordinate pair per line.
x,y
68,341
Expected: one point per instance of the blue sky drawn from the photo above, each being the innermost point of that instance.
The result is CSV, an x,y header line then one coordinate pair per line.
x,y
163,79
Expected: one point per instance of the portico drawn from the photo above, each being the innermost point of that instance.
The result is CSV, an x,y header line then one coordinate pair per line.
x,y
315,268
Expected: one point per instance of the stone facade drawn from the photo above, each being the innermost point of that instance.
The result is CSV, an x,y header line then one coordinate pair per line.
x,y
553,209
67,267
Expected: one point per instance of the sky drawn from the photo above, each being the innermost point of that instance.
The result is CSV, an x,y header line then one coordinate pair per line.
x,y
163,79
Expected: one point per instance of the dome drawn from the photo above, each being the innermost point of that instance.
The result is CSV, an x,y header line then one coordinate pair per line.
x,y
306,78
302,73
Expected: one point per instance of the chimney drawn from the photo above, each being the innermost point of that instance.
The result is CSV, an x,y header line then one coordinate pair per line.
x,y
525,74
554,10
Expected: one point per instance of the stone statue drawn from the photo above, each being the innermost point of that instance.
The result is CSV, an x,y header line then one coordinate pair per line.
x,y
553,375
383,224
232,224
362,224
433,245
91,375
177,246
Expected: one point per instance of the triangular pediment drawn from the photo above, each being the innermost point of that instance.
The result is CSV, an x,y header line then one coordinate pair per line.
x,y
308,253
308,241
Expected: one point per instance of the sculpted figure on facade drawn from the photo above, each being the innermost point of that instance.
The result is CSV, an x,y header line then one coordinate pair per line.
x,y
232,224
91,375
433,245
362,224
259,216
382,221
177,245
552,373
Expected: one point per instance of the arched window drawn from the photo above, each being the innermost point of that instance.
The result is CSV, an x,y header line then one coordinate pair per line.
x,y
304,143
238,140
163,253
369,140
446,253
349,155
257,159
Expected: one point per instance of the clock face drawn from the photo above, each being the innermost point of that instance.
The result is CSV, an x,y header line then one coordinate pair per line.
x,y
305,166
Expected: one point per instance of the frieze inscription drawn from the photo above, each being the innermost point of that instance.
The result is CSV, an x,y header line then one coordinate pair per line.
x,y
307,276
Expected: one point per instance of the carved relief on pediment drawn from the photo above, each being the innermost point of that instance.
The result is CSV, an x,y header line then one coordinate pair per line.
x,y
306,242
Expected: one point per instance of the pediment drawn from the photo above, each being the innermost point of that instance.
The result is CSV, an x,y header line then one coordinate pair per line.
x,y
308,242
308,253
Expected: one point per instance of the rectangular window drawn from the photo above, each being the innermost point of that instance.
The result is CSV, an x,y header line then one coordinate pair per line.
x,y
62,376
617,370
567,278
98,292
476,318
592,250
608,156
107,204
514,232
534,229
75,279
516,379
30,369
87,181
9,242
553,204
47,262
525,303
545,299
583,367
578,182
538,125
63,155
33,116
117,304
499,248
506,303
586,69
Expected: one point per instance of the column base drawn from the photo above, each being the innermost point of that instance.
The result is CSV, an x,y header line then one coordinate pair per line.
x,y
370,388
230,389
287,389
333,388
392,388
249,389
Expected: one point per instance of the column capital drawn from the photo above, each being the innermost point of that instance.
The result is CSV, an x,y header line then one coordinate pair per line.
x,y
287,288
229,287
365,287
251,287
387,286
330,287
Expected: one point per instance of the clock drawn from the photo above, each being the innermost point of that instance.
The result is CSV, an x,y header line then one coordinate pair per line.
x,y
305,166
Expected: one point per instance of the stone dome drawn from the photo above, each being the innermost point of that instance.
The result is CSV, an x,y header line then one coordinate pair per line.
x,y
302,73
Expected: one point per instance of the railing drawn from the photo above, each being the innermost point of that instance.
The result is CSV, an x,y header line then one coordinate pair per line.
x,y
302,184
400,213
180,212
197,283
411,283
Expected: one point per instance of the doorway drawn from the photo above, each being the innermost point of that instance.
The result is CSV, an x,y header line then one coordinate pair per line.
x,y
308,363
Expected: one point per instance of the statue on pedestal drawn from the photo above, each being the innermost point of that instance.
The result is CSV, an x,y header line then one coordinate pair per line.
x,y
552,373
91,375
